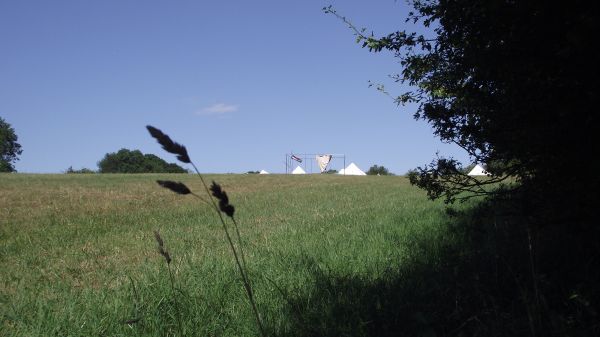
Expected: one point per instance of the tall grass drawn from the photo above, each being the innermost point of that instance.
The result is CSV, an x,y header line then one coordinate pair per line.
x,y
71,243
221,207
328,256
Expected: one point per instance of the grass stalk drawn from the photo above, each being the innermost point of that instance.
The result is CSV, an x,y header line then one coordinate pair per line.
x,y
214,192
241,269
175,302
165,253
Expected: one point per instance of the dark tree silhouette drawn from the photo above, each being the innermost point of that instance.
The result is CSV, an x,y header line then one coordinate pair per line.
x,y
128,161
9,148
378,170
83,170
511,82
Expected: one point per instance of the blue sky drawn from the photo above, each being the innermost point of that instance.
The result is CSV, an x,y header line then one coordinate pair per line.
x,y
240,83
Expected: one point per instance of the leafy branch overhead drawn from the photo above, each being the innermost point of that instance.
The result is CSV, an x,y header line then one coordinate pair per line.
x,y
510,82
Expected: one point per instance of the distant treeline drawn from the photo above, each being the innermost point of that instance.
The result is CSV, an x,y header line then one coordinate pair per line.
x,y
128,161
71,170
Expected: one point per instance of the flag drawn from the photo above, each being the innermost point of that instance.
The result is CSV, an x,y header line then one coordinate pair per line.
x,y
296,158
323,160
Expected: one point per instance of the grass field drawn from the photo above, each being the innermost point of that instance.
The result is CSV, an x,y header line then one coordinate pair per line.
x,y
328,255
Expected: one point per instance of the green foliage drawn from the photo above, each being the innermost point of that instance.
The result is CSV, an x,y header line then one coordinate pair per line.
x,y
128,161
331,171
83,170
510,82
9,148
378,171
252,172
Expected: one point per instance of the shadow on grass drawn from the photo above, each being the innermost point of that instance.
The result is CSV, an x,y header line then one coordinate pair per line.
x,y
485,284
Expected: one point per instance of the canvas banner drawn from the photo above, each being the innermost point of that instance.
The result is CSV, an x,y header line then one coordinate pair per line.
x,y
323,160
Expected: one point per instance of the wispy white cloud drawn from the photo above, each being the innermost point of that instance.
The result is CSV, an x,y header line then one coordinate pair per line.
x,y
218,109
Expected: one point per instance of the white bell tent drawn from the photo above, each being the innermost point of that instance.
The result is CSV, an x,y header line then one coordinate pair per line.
x,y
352,170
263,172
478,170
298,170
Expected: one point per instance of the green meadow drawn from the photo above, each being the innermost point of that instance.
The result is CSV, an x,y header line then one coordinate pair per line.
x,y
327,256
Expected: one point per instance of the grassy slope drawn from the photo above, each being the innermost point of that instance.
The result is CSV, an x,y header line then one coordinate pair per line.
x,y
78,256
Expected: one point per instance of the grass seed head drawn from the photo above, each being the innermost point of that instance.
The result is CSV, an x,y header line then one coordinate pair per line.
x,y
132,321
169,145
159,240
227,209
176,187
165,254
217,192
161,247
224,205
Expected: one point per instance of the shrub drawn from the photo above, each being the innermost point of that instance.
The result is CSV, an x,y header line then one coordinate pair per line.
x,y
82,170
378,170
128,161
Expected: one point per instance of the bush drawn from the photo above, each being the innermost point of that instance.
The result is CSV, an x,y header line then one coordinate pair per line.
x,y
378,170
83,170
127,161
10,150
